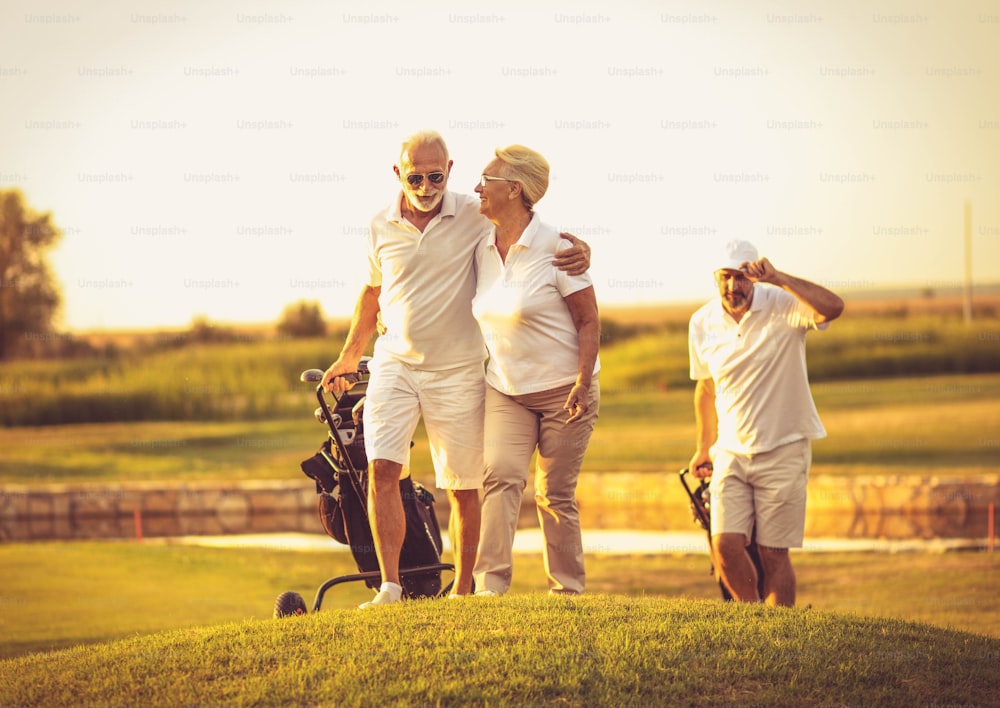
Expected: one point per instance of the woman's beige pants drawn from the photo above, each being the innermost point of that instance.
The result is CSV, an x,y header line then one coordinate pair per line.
x,y
515,427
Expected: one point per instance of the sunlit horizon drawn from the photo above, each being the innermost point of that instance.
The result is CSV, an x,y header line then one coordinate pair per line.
x,y
222,161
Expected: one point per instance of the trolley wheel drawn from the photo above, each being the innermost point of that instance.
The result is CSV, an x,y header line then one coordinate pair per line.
x,y
289,604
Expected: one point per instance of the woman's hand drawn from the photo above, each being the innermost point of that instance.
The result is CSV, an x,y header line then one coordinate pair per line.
x,y
576,402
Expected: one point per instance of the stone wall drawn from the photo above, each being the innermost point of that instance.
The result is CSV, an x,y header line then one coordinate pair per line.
x,y
903,507
155,509
894,507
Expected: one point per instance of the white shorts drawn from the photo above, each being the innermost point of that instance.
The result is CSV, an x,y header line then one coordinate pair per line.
x,y
767,490
452,403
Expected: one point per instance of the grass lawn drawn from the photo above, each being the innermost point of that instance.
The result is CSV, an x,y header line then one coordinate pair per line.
x,y
90,592
157,623
119,452
928,425
525,650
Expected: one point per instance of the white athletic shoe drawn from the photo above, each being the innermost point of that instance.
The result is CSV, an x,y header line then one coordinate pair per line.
x,y
388,593
487,593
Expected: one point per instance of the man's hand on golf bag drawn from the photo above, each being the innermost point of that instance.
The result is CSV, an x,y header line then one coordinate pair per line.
x,y
701,465
340,377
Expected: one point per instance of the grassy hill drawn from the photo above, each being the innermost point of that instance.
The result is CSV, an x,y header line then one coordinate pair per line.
x,y
525,650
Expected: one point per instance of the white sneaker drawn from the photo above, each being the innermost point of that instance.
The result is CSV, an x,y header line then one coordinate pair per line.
x,y
487,593
388,593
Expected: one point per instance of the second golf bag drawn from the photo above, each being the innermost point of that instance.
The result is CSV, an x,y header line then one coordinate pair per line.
x,y
701,510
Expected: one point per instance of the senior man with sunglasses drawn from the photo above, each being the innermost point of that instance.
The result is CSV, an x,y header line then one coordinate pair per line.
x,y
429,355
755,415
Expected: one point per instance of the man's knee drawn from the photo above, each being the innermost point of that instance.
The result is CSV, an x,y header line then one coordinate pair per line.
x,y
773,558
384,472
729,544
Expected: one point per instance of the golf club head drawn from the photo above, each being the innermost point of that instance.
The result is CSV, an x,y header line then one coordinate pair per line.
x,y
311,376
321,417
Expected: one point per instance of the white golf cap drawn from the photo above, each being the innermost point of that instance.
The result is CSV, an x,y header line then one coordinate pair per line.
x,y
738,253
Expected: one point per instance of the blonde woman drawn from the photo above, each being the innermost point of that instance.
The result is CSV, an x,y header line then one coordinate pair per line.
x,y
542,331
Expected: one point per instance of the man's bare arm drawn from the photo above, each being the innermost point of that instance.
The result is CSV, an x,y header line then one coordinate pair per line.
x,y
825,304
706,427
363,324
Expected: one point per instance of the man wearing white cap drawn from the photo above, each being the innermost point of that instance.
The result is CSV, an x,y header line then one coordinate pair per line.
x,y
755,415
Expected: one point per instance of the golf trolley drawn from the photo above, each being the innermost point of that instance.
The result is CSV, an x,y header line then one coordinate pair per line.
x,y
339,470
701,509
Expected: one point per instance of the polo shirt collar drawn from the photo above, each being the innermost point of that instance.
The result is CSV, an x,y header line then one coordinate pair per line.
x,y
530,232
526,238
449,207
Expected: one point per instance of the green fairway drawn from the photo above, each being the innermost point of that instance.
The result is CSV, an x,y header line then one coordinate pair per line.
x,y
254,379
95,591
123,452
926,425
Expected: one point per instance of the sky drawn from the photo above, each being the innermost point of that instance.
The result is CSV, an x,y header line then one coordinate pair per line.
x,y
223,159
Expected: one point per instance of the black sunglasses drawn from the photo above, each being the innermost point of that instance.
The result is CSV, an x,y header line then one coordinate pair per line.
x,y
435,178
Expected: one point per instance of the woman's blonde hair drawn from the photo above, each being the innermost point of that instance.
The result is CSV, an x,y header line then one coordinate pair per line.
x,y
524,165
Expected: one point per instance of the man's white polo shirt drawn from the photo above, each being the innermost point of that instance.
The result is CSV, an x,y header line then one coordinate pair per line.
x,y
762,391
428,282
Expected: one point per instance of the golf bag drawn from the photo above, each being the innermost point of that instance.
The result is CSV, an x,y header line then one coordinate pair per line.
x,y
700,504
340,468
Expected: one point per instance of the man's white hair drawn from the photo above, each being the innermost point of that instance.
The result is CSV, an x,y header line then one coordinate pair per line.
x,y
424,137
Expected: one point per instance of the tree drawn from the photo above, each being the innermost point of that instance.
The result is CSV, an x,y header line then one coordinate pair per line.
x,y
302,319
29,296
204,331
